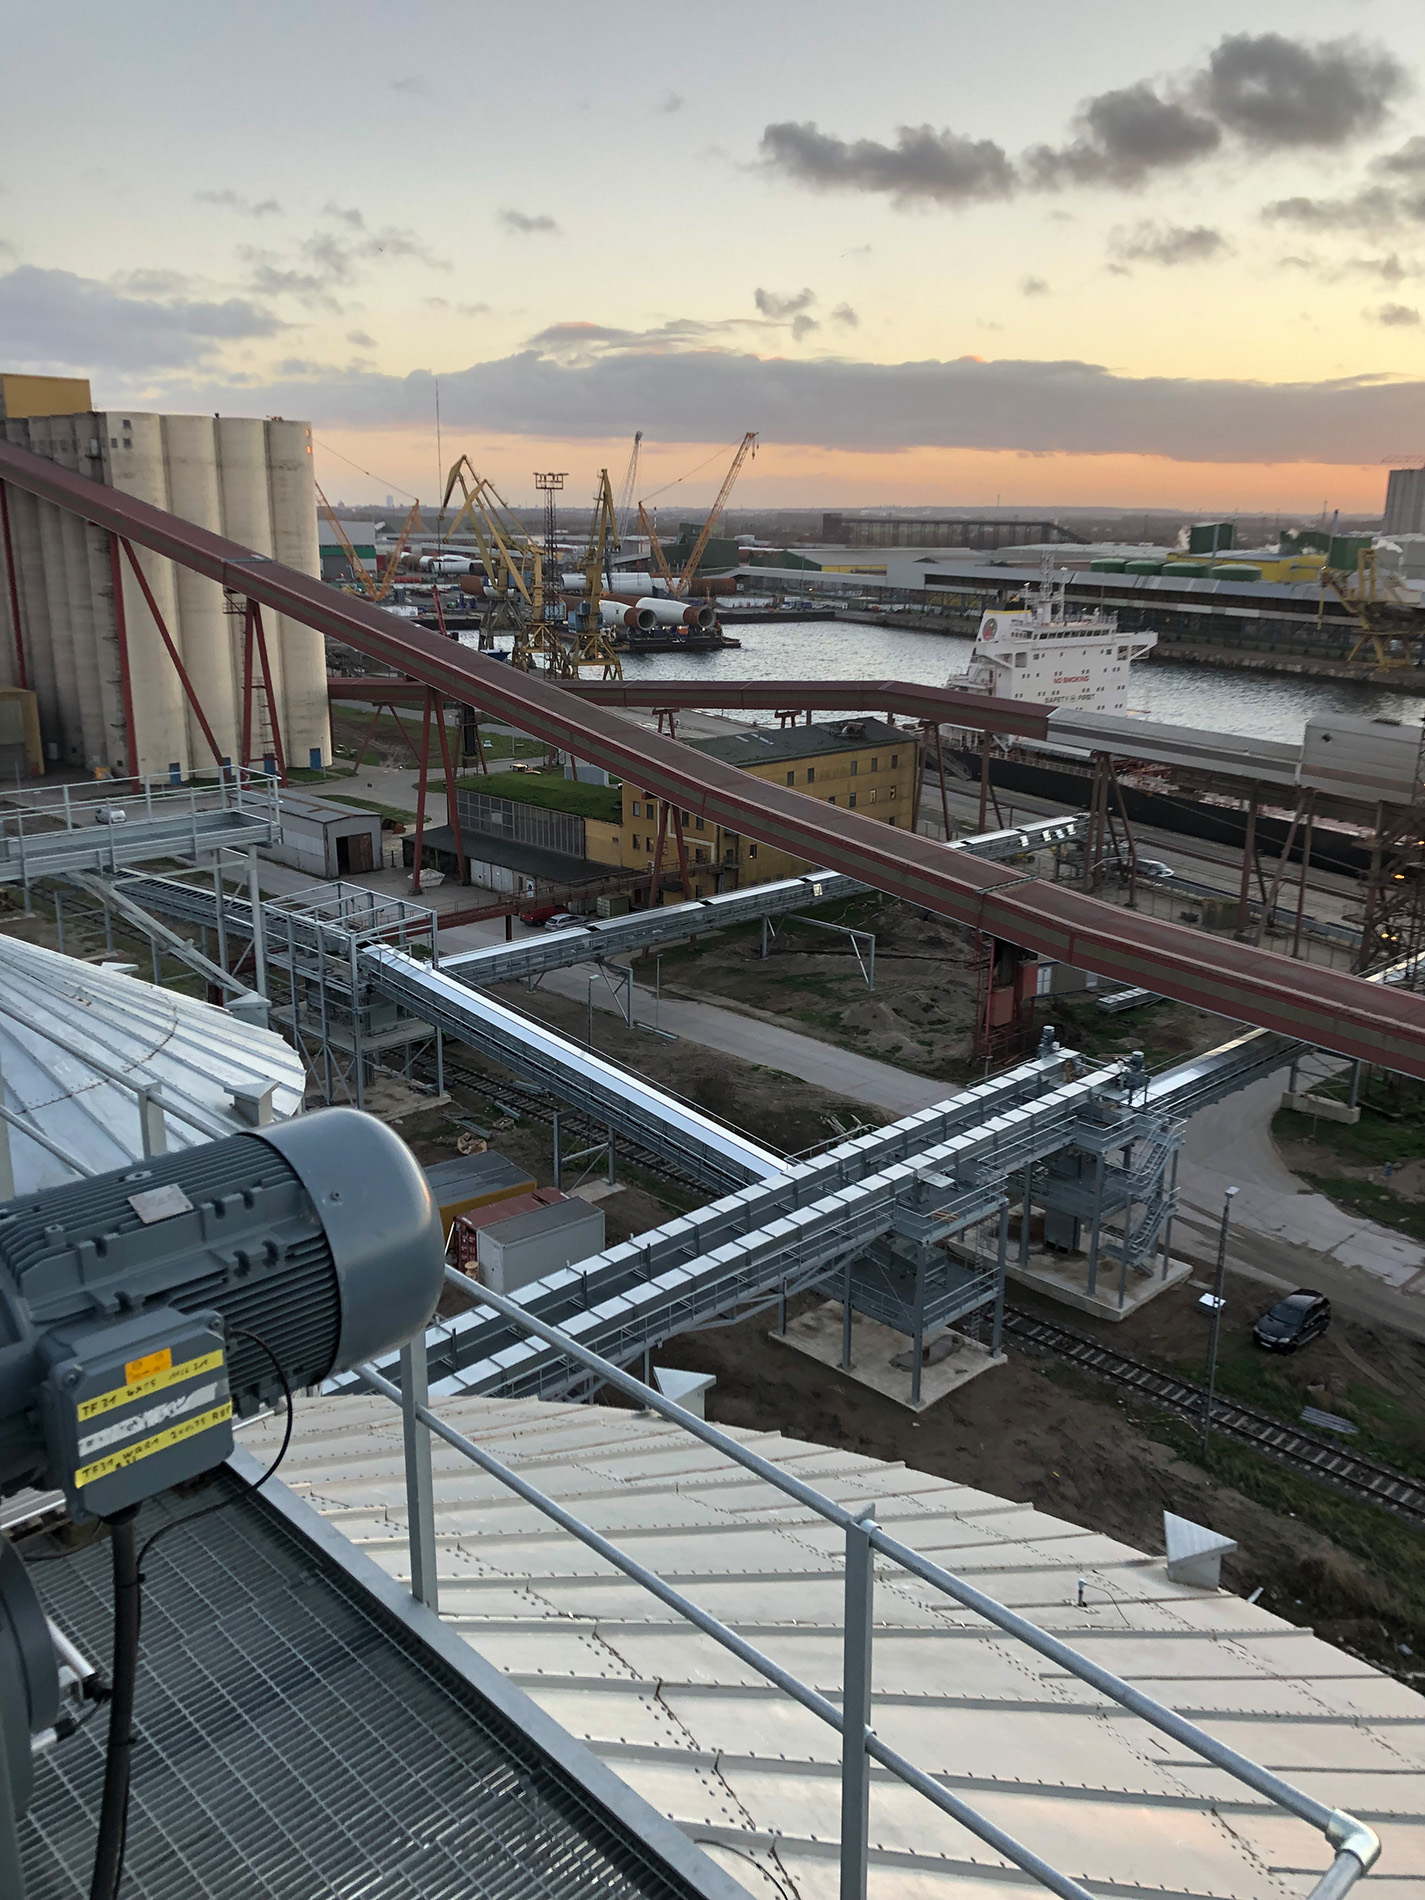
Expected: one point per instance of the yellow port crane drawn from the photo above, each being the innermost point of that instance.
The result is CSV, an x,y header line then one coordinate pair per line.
x,y
594,642
747,446
625,494
375,587
514,567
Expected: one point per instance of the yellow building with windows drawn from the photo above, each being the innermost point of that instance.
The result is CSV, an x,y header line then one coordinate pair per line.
x,y
862,765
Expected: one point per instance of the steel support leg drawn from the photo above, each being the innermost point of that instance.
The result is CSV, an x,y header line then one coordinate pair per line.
x,y
846,1319
997,1329
558,1151
917,1350
856,1707
259,926
1024,1212
420,1487
1096,1235
219,901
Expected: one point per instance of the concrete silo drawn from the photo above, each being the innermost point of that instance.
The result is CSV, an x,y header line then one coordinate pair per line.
x,y
24,513
210,634
306,728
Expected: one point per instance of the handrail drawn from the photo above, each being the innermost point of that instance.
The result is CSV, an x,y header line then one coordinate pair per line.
x,y
1356,1845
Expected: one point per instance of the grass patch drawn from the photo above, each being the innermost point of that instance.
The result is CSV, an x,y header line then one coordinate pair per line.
x,y
1371,1200
1382,1134
394,812
552,792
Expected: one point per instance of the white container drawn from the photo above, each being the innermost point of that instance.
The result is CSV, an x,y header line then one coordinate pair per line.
x,y
526,1247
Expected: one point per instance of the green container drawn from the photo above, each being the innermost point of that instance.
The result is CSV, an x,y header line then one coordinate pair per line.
x,y
1142,567
1189,570
1110,564
1211,537
1235,571
1343,550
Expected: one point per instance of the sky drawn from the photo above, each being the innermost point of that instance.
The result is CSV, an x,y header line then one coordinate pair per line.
x,y
936,252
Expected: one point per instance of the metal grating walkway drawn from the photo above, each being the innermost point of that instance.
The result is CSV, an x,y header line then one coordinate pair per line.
x,y
294,1741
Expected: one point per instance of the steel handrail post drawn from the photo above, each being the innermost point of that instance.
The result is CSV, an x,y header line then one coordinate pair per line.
x,y
856,1642
420,1493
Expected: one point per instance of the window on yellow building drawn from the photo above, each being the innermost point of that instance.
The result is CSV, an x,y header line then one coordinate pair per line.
x,y
855,767
875,765
832,799
873,794
699,823
811,775
635,841
892,819
791,778
893,791
895,760
752,851
852,800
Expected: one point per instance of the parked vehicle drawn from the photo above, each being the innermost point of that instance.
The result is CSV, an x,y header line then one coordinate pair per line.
x,y
1293,1322
562,920
1155,868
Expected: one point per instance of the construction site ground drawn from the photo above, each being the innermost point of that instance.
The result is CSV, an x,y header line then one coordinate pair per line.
x,y
1037,1430
1375,1166
921,1012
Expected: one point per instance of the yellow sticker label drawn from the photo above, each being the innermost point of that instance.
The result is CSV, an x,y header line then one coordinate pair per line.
x,y
156,1381
138,1369
175,1435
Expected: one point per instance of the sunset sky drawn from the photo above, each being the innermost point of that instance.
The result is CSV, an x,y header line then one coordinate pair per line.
x,y
936,252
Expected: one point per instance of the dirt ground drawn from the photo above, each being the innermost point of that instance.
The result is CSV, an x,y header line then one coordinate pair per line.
x,y
921,1013
1034,1431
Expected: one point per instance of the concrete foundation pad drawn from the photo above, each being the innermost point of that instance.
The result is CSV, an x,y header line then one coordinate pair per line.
x,y
1065,1277
950,1358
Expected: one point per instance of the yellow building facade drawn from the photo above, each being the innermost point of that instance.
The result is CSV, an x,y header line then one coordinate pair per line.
x,y
863,765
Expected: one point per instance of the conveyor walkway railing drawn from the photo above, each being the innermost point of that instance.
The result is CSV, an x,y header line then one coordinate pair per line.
x,y
1355,1846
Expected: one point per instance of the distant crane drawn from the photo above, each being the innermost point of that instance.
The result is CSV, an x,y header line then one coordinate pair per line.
x,y
747,446
623,513
376,588
594,642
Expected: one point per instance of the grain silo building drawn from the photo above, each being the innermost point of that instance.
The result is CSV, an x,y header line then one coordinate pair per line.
x,y
239,476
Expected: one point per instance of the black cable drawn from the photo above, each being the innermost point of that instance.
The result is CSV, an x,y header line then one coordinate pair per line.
x,y
128,1605
237,1332
113,1812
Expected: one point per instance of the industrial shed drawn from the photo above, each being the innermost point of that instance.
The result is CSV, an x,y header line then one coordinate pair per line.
x,y
327,840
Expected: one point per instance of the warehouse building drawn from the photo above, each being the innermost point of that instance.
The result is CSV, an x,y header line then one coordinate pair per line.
x,y
110,694
864,765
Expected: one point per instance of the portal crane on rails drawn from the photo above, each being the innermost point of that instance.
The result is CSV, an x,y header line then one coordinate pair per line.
x,y
747,446
624,510
514,566
376,587
593,644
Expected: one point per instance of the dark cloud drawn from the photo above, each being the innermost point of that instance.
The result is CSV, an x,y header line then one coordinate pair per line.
x,y
1122,138
1408,162
1277,93
1150,243
52,319
526,224
922,167
1269,92
846,317
1395,315
415,83
780,308
361,339
687,395
316,270
1033,287
672,102
1396,203
234,201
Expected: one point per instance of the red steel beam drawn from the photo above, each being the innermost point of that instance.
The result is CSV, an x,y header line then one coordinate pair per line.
x,y
1324,1007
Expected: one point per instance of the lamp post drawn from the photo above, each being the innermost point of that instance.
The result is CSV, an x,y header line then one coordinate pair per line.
x,y
1213,1303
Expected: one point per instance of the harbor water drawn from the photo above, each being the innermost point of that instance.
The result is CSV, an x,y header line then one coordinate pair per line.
x,y
1255,704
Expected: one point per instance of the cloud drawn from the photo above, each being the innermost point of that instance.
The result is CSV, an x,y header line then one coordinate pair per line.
x,y
780,308
525,224
361,339
314,270
1149,243
1394,315
460,309
802,327
1122,138
415,83
687,395
1276,93
1397,202
234,201
1033,287
1265,91
53,319
846,317
922,167
672,102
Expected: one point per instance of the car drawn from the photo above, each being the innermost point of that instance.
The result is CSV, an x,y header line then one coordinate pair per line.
x,y
1155,868
562,920
1294,1321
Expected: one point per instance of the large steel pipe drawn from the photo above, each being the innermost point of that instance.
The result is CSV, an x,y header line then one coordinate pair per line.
x,y
1324,1007
613,613
671,613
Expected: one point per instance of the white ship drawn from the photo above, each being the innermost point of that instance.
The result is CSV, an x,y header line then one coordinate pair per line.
x,y
1047,653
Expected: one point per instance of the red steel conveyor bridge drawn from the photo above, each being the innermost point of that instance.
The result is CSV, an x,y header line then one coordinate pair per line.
x,y
1327,1008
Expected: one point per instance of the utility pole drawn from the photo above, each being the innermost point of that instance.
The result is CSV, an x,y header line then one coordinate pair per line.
x,y
1213,1302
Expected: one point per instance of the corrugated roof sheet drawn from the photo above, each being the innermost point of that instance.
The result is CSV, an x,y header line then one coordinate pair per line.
x,y
755,1779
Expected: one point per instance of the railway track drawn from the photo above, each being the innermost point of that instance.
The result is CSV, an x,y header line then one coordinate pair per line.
x,y
1318,1458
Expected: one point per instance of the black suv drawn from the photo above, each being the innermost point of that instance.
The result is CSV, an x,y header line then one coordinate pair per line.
x,y
1295,1321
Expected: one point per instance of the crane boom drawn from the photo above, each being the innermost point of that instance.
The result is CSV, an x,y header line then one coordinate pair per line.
x,y
655,547
625,493
747,446
359,571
